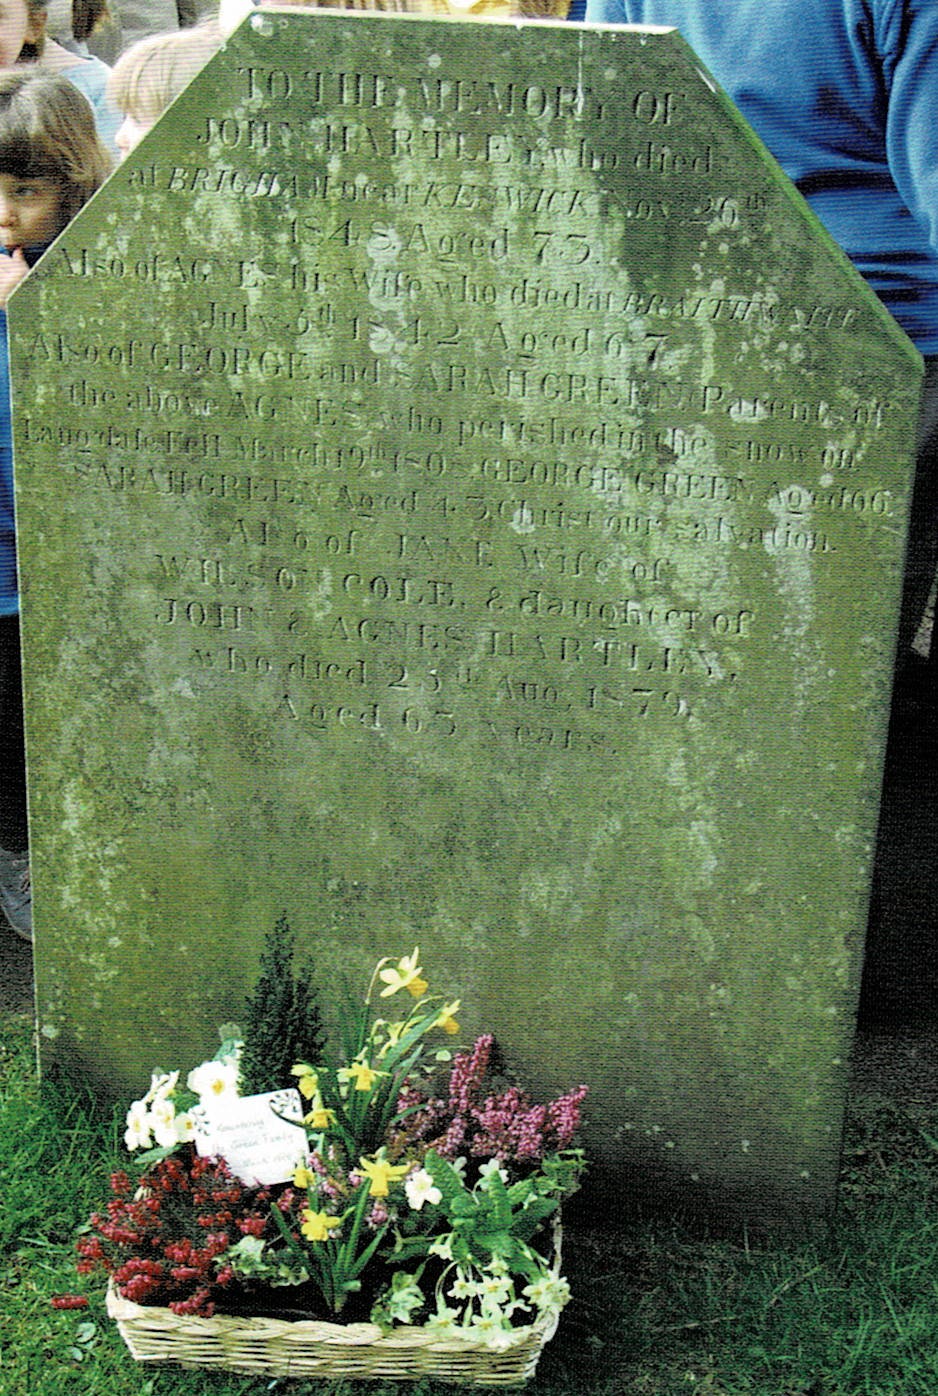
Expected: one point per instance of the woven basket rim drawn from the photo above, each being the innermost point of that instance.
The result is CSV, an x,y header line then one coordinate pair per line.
x,y
126,1311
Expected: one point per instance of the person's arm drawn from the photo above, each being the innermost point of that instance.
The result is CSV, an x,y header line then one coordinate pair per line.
x,y
606,12
908,42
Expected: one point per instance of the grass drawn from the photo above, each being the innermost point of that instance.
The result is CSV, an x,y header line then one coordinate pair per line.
x,y
657,1310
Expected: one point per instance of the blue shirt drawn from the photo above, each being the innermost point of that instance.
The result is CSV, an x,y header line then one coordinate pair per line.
x,y
9,592
845,95
90,76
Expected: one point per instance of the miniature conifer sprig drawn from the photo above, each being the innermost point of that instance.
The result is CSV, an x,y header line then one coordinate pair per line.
x,y
282,1021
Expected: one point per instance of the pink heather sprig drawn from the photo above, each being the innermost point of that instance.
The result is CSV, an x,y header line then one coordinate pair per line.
x,y
420,1113
378,1216
452,1142
563,1115
505,1126
468,1073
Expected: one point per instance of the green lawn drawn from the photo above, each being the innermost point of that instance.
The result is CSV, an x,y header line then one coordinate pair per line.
x,y
656,1311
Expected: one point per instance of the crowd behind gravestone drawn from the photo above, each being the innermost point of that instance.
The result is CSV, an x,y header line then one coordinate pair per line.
x,y
842,92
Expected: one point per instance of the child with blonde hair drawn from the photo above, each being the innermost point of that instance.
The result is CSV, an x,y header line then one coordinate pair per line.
x,y
152,73
232,12
51,162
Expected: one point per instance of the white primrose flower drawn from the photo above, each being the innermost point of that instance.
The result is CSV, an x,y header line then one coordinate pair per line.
x,y
420,1188
444,1322
442,1246
162,1084
463,1287
214,1080
138,1134
549,1294
185,1128
495,1288
490,1327
490,1168
163,1118
506,1310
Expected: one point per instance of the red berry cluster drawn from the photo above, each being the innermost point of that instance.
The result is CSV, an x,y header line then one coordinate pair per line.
x,y
163,1239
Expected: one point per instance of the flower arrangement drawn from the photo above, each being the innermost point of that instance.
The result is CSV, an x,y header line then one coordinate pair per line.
x,y
423,1188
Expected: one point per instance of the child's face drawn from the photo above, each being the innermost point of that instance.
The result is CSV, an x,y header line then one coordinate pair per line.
x,y
17,27
30,210
130,132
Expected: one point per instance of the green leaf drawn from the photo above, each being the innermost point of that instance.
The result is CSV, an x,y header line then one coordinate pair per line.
x,y
293,1245
464,1207
358,1266
154,1155
407,1247
494,1242
519,1192
527,1223
445,1178
497,1194
346,1256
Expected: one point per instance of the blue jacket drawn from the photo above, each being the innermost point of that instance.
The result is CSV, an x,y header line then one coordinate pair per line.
x,y
845,95
9,594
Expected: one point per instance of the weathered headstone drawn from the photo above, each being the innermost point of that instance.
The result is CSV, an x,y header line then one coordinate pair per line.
x,y
462,496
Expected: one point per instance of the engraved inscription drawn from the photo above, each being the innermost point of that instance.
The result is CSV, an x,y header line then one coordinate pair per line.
x,y
448,450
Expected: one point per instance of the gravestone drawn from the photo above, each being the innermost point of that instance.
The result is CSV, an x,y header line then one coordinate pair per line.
x,y
462,494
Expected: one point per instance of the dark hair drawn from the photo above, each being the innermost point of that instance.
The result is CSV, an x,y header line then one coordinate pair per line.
x,y
86,16
32,52
47,130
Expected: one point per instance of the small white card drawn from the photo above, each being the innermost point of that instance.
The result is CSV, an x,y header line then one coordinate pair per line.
x,y
260,1137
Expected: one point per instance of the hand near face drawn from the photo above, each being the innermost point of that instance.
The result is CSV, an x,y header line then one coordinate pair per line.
x,y
12,271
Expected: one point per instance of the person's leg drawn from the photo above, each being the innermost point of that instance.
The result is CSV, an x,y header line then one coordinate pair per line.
x,y
13,834
922,551
15,896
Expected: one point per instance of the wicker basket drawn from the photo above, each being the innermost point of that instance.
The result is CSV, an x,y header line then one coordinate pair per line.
x,y
275,1348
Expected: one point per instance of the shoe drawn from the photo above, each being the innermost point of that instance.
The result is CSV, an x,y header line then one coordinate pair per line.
x,y
16,898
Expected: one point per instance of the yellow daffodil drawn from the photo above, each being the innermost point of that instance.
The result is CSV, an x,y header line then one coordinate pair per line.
x,y
317,1225
446,1019
303,1177
380,1173
405,975
308,1082
363,1075
319,1117
393,1032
